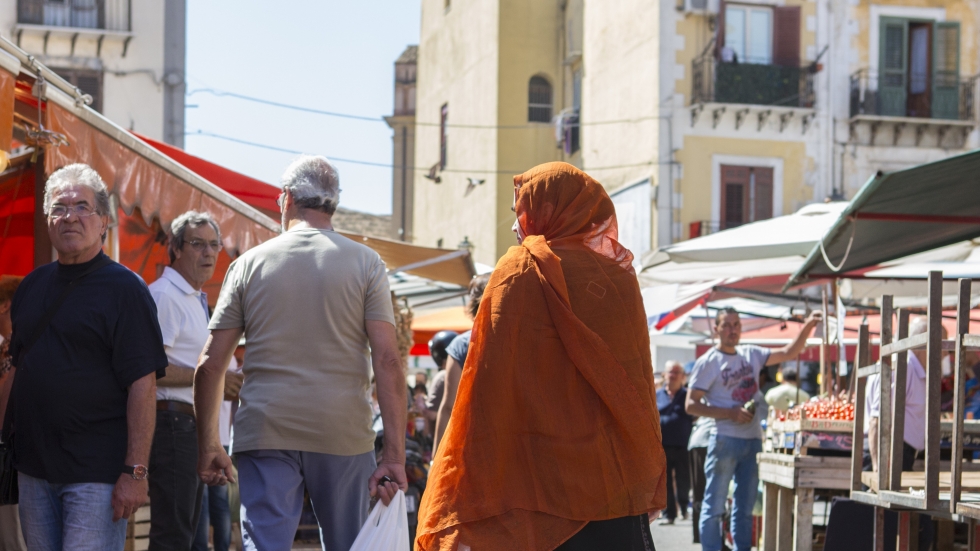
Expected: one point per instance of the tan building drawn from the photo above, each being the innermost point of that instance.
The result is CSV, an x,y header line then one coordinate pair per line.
x,y
129,55
696,115
402,122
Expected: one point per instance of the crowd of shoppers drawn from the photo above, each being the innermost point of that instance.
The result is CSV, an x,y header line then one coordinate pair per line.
x,y
118,391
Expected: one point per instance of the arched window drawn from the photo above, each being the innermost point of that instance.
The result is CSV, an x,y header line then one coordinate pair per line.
x,y
538,100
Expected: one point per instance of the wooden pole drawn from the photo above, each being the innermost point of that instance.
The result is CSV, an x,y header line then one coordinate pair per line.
x,y
934,374
959,398
857,438
885,412
824,346
898,406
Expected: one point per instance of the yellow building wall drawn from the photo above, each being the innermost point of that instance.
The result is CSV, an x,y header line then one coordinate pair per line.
x,y
457,65
696,183
964,11
529,45
620,91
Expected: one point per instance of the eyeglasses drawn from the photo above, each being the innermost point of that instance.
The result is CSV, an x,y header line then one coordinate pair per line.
x,y
199,245
62,211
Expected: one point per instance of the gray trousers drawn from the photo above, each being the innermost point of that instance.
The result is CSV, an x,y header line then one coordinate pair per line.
x,y
272,482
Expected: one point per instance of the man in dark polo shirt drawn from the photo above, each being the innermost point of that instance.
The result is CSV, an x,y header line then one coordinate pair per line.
x,y
83,393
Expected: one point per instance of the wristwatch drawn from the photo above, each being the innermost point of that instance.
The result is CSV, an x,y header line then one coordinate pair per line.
x,y
138,472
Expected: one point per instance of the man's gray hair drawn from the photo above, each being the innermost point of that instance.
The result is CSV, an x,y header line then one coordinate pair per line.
x,y
77,174
313,182
918,326
178,227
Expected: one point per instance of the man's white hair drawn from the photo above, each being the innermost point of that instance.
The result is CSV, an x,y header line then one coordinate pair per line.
x,y
313,182
919,326
77,174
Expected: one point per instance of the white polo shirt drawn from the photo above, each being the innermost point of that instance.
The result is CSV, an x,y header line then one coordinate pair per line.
x,y
182,311
915,402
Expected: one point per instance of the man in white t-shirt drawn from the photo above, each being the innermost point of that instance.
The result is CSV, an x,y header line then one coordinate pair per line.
x,y
182,309
724,385
915,414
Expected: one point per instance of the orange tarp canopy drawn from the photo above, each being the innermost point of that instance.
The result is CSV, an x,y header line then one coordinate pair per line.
x,y
427,325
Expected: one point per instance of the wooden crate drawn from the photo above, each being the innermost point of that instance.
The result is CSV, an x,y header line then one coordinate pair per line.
x,y
138,530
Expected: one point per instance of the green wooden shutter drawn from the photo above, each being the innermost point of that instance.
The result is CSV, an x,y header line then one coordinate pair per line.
x,y
893,62
946,71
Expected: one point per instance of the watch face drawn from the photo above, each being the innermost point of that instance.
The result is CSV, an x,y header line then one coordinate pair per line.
x,y
139,472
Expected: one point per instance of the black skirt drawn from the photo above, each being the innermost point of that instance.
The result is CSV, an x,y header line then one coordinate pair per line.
x,y
618,534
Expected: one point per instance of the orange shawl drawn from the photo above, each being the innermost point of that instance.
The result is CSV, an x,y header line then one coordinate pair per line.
x,y
555,422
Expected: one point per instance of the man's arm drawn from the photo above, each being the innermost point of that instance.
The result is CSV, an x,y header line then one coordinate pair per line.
x,y
695,406
129,494
390,378
873,442
177,376
213,463
792,350
453,373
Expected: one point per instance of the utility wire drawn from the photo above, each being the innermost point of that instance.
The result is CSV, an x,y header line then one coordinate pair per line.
x,y
390,165
222,93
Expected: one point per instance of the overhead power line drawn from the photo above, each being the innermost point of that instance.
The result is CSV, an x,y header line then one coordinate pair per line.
x,y
390,165
222,93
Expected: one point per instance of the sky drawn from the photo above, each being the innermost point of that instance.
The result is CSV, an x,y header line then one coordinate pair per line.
x,y
328,55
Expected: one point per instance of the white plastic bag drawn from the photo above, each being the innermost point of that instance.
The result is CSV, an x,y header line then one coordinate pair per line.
x,y
386,528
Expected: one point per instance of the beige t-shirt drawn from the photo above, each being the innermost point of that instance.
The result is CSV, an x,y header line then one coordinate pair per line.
x,y
303,299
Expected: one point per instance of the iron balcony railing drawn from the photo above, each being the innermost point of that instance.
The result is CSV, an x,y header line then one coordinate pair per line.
x,y
110,15
938,96
751,83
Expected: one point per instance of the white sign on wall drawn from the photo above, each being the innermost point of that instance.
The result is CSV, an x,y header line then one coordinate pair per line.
x,y
633,212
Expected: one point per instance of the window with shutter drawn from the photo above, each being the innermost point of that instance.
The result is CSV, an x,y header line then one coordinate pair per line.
x,y
893,67
746,194
748,33
538,100
443,135
734,181
946,71
786,36
88,81
760,182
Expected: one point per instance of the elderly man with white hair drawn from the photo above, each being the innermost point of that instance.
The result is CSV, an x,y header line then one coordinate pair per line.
x,y
182,308
86,350
316,311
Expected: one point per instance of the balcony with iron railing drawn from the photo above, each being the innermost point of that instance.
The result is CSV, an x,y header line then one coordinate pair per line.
x,y
112,15
73,19
947,96
942,104
751,83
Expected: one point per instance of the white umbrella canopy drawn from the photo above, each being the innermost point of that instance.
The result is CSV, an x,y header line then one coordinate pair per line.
x,y
791,235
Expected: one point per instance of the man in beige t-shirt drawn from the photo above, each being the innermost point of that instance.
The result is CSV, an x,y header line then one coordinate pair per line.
x,y
316,311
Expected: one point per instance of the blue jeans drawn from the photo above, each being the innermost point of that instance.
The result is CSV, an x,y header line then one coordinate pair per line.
x,y
729,457
76,517
214,512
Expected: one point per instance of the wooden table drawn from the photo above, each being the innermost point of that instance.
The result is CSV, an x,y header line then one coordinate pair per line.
x,y
789,482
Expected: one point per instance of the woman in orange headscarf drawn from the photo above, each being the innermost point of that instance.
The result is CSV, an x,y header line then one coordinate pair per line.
x,y
554,441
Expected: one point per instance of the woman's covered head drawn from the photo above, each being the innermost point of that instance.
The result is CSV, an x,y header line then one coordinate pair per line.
x,y
559,201
556,200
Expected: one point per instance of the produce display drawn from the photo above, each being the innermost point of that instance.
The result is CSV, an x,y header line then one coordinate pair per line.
x,y
828,408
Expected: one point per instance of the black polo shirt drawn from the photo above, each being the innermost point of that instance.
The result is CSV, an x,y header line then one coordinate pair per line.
x,y
70,389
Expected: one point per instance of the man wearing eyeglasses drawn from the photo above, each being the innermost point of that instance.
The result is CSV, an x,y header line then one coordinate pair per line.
x,y
182,308
85,362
